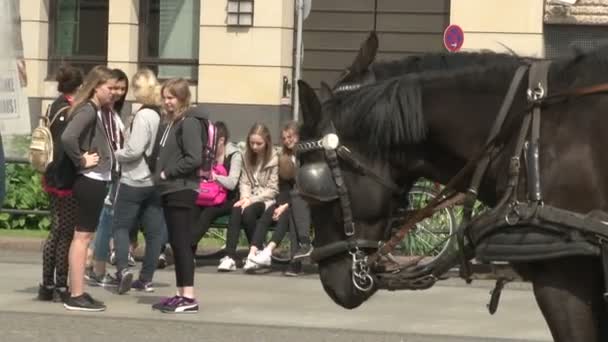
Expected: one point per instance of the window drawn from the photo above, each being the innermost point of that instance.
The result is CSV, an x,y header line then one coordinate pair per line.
x,y
169,31
78,33
562,40
240,13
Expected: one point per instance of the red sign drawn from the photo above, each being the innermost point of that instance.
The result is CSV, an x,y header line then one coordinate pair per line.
x,y
453,38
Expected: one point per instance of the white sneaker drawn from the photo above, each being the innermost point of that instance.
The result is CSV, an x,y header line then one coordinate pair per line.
x,y
250,266
113,258
227,264
263,259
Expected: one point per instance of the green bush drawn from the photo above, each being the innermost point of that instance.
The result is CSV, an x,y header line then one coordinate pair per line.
x,y
24,191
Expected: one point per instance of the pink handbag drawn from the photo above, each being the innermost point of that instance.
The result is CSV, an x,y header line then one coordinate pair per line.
x,y
212,193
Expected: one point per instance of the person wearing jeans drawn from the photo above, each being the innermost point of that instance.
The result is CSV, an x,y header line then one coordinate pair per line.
x,y
96,274
136,196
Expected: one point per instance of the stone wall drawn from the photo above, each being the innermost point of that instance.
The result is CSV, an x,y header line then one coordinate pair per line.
x,y
583,12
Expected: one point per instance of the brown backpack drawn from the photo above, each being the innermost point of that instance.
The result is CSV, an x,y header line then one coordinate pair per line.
x,y
41,147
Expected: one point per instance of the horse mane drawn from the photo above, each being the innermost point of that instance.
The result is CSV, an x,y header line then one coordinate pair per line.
x,y
437,61
384,116
389,112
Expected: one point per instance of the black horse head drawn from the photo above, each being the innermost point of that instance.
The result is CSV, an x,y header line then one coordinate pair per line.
x,y
384,143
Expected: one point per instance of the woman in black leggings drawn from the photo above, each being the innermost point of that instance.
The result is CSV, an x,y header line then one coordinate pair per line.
x,y
258,188
63,206
176,176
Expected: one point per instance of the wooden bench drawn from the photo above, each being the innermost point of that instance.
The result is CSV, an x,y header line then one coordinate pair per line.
x,y
282,254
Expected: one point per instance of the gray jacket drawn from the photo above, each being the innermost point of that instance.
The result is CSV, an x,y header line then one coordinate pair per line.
x,y
180,160
231,181
135,170
84,133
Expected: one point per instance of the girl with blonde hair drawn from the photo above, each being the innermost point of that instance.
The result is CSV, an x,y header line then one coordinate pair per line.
x,y
136,195
177,179
258,187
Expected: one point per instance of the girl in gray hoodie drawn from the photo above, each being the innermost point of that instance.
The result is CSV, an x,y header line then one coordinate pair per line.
x,y
136,195
176,177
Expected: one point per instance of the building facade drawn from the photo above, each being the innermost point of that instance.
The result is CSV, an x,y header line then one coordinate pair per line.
x,y
239,54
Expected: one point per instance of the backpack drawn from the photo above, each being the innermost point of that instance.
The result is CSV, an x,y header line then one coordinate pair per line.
x,y
62,172
212,193
41,147
153,157
209,138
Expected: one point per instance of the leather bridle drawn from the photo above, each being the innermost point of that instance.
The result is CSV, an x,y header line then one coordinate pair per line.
x,y
308,174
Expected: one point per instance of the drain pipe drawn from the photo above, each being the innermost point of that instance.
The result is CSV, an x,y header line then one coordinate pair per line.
x,y
296,97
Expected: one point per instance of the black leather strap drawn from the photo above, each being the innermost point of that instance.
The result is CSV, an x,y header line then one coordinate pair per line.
x,y
338,247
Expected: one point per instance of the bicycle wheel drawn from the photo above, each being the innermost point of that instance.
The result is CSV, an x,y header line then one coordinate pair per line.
x,y
432,236
213,244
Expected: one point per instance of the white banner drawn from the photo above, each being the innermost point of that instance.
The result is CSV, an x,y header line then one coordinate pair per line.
x,y
14,106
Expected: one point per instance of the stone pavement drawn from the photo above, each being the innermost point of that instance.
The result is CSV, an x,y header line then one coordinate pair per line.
x,y
270,307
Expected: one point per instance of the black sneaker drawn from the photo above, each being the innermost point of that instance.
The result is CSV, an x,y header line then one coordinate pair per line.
x,y
91,299
61,294
125,279
82,303
303,252
45,292
294,269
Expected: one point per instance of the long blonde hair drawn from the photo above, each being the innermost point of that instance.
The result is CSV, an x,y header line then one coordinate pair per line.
x,y
100,74
146,88
287,168
251,159
179,88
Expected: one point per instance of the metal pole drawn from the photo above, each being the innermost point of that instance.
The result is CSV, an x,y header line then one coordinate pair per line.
x,y
296,100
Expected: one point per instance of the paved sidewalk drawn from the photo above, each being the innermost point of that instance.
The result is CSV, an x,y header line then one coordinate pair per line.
x,y
270,307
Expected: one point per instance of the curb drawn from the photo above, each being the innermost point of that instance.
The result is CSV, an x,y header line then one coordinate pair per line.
x,y
22,244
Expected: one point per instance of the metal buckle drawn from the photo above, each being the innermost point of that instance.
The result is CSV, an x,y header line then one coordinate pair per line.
x,y
536,94
361,278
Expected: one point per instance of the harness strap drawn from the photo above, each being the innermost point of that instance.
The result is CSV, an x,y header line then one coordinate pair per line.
x,y
347,214
341,246
471,196
538,88
498,123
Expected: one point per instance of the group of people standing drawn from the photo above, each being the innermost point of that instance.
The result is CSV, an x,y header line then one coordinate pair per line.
x,y
146,174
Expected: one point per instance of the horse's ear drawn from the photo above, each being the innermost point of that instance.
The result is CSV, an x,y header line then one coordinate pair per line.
x,y
310,105
366,55
326,93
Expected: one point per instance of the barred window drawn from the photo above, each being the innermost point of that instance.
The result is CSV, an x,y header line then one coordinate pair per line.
x,y
78,33
240,13
169,37
563,40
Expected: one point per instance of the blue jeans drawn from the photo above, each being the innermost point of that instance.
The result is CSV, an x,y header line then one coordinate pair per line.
x,y
104,234
143,203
